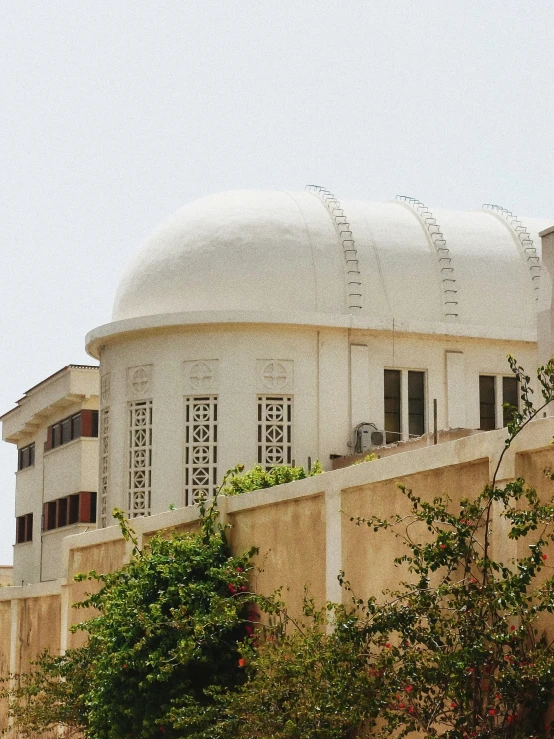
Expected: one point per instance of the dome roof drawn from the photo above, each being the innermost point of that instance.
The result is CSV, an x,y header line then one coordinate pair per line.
x,y
302,257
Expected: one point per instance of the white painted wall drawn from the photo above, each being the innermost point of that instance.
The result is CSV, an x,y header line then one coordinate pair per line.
x,y
335,378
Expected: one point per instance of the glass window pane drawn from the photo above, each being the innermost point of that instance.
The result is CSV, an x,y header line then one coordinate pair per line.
x,y
31,455
416,403
29,527
509,395
392,406
76,426
66,431
487,413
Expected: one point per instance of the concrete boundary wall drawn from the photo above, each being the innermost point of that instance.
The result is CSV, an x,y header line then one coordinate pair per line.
x,y
302,529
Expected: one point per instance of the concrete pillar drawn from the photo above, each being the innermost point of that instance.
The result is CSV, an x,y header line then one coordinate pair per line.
x,y
455,390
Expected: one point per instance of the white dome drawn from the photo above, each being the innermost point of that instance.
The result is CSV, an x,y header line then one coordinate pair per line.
x,y
275,256
243,250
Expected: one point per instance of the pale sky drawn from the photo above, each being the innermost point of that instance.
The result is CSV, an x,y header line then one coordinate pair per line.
x,y
115,113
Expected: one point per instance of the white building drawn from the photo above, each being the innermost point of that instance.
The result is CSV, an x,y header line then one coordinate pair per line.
x,y
265,327
55,427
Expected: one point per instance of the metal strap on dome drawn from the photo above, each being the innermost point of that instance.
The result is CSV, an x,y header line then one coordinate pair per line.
x,y
523,237
429,223
344,231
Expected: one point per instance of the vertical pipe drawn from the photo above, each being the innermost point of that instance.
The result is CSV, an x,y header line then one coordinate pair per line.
x,y
435,429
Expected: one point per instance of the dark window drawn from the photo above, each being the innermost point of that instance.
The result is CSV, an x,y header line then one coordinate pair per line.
x,y
66,430
392,406
416,403
26,457
94,423
73,508
56,435
80,424
510,394
24,528
61,516
76,426
76,508
50,515
487,402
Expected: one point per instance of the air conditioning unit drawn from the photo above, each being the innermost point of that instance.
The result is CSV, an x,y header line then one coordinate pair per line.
x,y
367,436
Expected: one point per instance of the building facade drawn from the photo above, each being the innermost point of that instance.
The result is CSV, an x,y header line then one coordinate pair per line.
x,y
55,427
269,327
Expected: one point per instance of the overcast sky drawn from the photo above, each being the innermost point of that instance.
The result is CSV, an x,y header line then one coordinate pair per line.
x,y
115,113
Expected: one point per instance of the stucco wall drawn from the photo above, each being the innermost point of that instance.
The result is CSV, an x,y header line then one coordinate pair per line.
x,y
367,557
290,536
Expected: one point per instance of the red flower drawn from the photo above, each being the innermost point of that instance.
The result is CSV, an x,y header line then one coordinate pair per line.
x,y
453,705
242,662
124,667
387,645
232,588
512,628
239,569
492,712
411,709
545,556
409,688
443,546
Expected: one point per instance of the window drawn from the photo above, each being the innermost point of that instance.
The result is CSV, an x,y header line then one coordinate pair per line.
x,y
487,402
393,410
71,509
405,408
510,395
26,457
76,426
140,458
24,528
274,430
200,448
65,431
73,427
416,403
494,393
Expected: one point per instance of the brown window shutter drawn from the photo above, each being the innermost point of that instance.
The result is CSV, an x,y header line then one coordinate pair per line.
x,y
85,507
48,444
86,423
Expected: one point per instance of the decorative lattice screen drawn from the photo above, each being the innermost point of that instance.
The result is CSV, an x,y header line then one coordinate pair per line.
x,y
274,430
104,465
140,457
200,448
